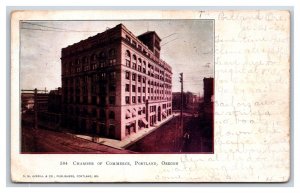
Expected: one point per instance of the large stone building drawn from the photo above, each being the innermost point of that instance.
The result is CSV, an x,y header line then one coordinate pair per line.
x,y
115,84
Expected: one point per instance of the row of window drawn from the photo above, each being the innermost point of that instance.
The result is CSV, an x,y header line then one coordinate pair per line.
x,y
152,109
71,100
134,44
133,112
100,89
95,66
142,99
143,89
111,76
139,89
111,99
144,51
95,89
139,99
138,64
84,112
139,78
85,64
92,58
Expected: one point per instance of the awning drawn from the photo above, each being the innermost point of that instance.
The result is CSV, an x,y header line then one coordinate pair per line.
x,y
133,112
128,114
164,113
145,121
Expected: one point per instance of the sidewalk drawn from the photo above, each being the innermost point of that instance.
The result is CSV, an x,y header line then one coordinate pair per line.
x,y
128,140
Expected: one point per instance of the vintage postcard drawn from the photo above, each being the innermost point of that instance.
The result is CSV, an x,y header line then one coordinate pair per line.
x,y
150,96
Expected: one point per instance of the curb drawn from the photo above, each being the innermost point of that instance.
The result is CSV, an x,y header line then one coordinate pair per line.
x,y
137,139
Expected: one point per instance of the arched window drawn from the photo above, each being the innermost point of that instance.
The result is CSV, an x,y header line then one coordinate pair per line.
x,y
140,65
134,57
127,54
127,58
134,61
112,115
144,67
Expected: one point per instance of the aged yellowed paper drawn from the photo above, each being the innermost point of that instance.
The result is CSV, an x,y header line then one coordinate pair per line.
x,y
251,130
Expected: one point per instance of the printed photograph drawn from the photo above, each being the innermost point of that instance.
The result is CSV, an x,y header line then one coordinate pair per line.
x,y
117,87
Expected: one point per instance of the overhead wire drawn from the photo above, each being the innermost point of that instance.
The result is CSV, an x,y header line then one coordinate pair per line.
x,y
168,36
56,29
169,41
40,29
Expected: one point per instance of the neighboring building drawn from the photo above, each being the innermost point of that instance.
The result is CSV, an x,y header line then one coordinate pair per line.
x,y
190,101
206,108
52,118
208,89
115,84
176,100
27,102
48,108
54,101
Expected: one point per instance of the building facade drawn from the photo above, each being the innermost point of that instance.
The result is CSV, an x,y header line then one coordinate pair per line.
x,y
206,108
190,101
114,84
208,89
54,101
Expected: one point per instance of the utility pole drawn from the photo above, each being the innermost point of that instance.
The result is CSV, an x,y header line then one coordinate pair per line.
x,y
35,109
181,106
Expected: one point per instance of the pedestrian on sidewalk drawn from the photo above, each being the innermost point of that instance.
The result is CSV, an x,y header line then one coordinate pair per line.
x,y
186,135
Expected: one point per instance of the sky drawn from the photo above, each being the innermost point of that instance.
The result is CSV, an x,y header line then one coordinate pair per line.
x,y
187,45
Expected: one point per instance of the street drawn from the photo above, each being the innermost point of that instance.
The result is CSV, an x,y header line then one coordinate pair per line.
x,y
47,141
195,138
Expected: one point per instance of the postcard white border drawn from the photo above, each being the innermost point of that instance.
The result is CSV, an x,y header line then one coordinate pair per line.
x,y
124,174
